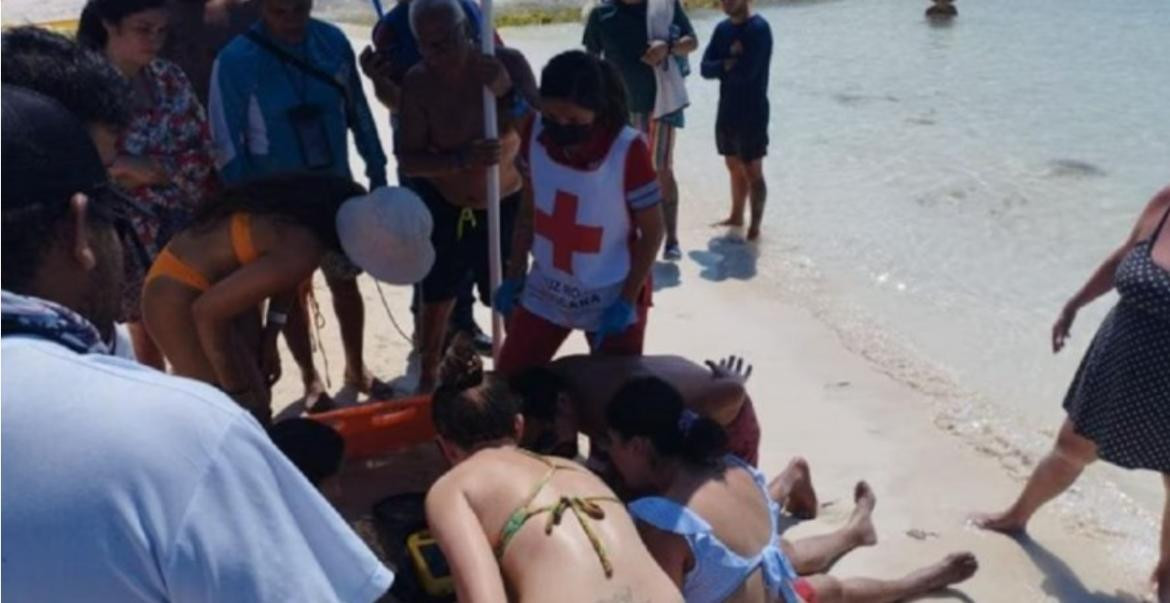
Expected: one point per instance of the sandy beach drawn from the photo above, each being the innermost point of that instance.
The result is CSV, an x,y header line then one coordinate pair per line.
x,y
818,396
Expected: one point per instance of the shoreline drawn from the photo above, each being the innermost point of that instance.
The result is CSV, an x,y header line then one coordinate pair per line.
x,y
857,408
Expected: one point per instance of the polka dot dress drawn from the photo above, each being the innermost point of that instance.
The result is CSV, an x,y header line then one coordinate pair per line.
x,y
1120,397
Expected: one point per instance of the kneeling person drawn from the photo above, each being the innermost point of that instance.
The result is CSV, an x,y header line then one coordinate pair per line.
x,y
584,546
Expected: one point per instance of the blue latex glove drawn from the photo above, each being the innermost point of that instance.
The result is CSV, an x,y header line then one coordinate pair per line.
x,y
618,317
505,298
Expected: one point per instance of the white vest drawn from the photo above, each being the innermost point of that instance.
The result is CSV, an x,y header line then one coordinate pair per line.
x,y
582,230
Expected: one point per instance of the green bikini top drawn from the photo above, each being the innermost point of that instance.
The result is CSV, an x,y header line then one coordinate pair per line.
x,y
584,508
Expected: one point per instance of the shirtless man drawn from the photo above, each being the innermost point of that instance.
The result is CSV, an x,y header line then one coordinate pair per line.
x,y
570,396
440,144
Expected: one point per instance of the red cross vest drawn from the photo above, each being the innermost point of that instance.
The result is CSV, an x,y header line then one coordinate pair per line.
x,y
581,240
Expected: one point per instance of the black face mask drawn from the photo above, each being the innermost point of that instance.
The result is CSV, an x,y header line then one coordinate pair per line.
x,y
566,135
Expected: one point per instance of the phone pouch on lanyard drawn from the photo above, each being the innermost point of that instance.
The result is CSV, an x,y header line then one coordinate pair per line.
x,y
309,125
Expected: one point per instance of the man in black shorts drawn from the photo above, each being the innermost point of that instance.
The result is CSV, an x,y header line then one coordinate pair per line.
x,y
440,147
739,56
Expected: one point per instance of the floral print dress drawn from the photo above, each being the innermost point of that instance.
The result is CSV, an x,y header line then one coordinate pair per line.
x,y
170,127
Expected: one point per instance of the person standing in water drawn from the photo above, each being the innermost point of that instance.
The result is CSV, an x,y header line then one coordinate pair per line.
x,y
592,220
1119,402
739,56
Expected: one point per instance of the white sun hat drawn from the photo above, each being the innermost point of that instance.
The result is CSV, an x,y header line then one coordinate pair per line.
x,y
387,233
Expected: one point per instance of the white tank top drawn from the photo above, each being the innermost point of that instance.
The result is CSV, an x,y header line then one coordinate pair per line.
x,y
581,241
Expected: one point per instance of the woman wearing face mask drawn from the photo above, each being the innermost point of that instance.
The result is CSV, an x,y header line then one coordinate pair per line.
x,y
592,220
164,160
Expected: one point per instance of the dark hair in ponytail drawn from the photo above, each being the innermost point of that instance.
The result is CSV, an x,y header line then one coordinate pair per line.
x,y
590,82
470,406
91,29
651,408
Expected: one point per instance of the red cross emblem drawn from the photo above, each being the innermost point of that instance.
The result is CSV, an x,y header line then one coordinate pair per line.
x,y
567,237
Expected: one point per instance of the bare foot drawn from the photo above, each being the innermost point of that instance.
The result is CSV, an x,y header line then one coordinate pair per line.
x,y
861,522
753,233
793,488
732,221
954,569
1003,522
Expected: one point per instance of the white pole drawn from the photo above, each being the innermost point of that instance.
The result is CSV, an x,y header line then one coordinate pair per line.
x,y
491,132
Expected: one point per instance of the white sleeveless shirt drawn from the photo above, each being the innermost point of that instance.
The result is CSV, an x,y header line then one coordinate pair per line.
x,y
582,231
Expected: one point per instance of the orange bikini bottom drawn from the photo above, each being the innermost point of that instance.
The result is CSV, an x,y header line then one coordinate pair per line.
x,y
169,265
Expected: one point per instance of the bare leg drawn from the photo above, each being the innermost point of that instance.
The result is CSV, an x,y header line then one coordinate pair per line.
x,y
351,319
1161,577
739,192
145,349
817,553
1055,473
953,569
434,329
296,335
669,203
758,188
793,488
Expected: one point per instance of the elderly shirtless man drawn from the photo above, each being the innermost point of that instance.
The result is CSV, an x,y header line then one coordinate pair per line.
x,y
440,145
570,396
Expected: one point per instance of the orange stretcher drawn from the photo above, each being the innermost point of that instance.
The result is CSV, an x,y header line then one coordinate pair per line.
x,y
375,429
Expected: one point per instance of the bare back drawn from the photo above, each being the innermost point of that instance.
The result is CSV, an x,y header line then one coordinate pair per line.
x,y
535,564
734,506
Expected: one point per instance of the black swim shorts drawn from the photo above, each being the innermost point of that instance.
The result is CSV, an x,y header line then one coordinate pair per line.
x,y
746,141
460,238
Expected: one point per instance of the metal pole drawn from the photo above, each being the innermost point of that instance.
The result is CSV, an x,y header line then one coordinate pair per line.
x,y
491,132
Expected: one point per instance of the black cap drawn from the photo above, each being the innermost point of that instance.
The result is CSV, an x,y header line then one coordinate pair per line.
x,y
48,156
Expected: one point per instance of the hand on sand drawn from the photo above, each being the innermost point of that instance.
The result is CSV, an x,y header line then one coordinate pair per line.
x,y
1061,328
492,74
482,153
732,367
656,53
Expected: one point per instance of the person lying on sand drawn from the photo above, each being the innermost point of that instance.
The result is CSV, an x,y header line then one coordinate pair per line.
x,y
570,395
258,242
709,520
518,526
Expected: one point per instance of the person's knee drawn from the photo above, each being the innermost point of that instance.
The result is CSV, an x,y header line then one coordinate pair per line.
x,y
1074,448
